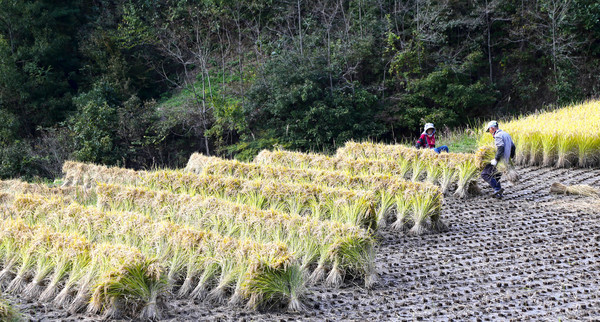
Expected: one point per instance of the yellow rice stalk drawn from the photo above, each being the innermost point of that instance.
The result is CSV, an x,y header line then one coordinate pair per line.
x,y
446,176
467,174
22,187
549,150
589,151
386,159
567,151
198,162
484,155
522,147
394,163
300,160
8,313
569,136
369,150
424,208
403,210
295,197
434,170
535,148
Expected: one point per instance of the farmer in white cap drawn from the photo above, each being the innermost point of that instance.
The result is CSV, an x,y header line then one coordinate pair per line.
x,y
427,139
506,151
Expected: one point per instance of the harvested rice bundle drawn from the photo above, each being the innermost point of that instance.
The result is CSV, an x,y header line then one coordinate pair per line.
x,y
310,239
122,280
386,187
339,204
218,263
349,206
199,161
87,265
467,173
296,159
88,175
397,163
584,190
424,207
486,153
369,150
21,187
355,151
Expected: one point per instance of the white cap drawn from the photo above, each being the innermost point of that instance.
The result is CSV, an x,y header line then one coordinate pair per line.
x,y
429,126
491,124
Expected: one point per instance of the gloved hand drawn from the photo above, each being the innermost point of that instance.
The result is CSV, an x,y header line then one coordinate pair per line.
x,y
494,162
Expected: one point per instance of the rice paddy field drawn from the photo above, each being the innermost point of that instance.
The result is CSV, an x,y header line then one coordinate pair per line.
x,y
373,232
565,137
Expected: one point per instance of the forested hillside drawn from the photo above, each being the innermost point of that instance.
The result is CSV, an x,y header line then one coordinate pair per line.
x,y
144,83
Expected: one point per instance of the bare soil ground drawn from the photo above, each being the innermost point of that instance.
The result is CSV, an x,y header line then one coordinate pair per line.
x,y
530,256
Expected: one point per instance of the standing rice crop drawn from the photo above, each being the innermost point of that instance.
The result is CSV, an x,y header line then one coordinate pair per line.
x,y
564,137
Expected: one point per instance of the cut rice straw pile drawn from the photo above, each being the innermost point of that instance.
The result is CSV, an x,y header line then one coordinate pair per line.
x,y
583,189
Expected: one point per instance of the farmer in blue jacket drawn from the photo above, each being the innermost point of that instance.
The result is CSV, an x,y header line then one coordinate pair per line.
x,y
427,139
506,151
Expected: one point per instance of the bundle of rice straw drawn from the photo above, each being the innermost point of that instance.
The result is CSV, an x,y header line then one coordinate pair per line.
x,y
511,174
580,189
486,153
483,155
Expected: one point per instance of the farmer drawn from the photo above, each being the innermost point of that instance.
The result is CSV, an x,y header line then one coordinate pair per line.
x,y
506,151
427,140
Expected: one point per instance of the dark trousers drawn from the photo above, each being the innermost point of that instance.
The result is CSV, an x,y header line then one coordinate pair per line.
x,y
492,176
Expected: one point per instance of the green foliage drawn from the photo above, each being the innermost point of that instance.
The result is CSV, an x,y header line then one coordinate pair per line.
x,y
16,161
95,140
300,109
39,59
459,140
9,127
446,96
8,313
